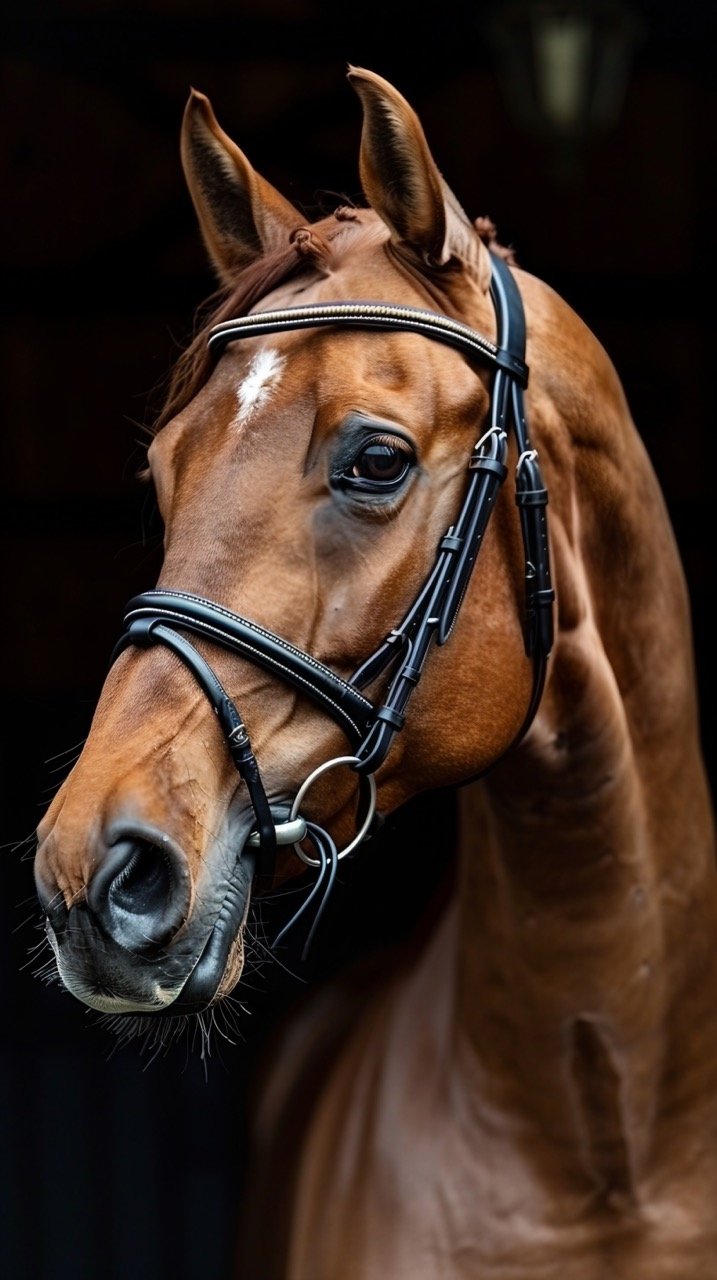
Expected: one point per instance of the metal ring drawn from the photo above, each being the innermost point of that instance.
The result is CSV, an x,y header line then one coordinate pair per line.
x,y
323,768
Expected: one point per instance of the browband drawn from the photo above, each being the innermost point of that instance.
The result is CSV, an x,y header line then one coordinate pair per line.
x,y
372,315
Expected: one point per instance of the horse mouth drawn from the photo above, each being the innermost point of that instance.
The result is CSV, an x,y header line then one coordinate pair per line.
x,y
220,964
199,971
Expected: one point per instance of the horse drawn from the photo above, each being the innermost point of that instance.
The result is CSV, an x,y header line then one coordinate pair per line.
x,y
532,1090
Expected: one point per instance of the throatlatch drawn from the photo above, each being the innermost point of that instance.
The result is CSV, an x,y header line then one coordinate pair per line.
x,y
163,617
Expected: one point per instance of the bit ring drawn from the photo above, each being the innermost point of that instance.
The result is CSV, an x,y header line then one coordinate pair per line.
x,y
360,834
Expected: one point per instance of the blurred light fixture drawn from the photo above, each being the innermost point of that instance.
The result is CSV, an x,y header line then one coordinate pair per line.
x,y
565,65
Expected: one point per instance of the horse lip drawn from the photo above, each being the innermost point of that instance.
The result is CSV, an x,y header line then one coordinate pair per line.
x,y
199,990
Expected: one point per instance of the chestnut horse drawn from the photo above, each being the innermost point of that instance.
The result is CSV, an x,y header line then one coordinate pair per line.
x,y
533,1091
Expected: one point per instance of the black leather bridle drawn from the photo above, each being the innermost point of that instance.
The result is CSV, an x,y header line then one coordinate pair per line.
x,y
165,617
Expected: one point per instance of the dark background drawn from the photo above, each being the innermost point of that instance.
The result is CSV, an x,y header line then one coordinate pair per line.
x,y
108,1169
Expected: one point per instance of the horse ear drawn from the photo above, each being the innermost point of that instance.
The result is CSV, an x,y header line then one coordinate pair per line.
x,y
403,184
240,214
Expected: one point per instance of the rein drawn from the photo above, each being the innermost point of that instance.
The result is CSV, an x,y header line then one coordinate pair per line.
x,y
164,617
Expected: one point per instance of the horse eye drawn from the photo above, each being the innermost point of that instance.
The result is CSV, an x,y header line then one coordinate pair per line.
x,y
380,466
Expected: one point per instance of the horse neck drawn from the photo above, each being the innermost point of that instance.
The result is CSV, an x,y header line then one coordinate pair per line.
x,y
587,890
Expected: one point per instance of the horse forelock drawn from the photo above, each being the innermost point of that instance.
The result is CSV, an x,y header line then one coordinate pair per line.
x,y
312,249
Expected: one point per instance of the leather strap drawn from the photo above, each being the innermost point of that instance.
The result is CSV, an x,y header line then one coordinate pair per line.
x,y
375,315
214,622
147,631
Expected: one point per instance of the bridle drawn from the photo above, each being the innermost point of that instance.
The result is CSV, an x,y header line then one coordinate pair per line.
x,y
164,617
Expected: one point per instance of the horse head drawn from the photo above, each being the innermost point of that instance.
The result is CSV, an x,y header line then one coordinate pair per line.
x,y
309,481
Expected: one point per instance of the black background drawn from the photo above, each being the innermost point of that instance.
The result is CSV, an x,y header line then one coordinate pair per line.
x,y
108,1168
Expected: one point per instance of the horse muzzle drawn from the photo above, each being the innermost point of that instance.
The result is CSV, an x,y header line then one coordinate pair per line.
x,y
139,940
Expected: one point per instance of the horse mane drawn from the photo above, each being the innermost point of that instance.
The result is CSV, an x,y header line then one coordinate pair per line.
x,y
311,248
194,364
488,233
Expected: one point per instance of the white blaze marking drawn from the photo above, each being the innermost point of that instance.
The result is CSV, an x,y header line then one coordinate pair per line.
x,y
256,388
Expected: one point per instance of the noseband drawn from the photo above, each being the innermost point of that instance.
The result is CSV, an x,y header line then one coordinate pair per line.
x,y
164,617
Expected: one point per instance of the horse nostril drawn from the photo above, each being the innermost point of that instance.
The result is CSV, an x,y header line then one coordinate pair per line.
x,y
140,893
143,885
